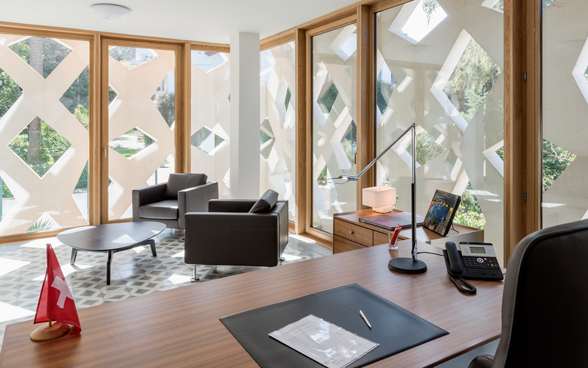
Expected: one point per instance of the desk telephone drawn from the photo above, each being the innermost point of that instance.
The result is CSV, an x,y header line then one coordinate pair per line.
x,y
476,261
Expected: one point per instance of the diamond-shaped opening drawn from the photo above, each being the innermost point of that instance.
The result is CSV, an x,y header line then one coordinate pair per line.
x,y
427,147
345,44
555,161
80,193
425,16
469,212
327,96
112,95
39,146
500,152
349,142
131,143
42,54
266,138
207,61
77,98
164,99
44,223
288,96
10,92
161,175
8,202
384,87
323,176
131,57
206,140
471,80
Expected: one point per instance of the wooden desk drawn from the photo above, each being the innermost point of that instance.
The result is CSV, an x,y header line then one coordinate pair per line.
x,y
350,234
181,327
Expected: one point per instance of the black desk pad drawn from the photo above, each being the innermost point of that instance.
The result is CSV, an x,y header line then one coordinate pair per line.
x,y
393,327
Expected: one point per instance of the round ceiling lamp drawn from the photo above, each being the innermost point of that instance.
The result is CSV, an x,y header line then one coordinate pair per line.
x,y
110,11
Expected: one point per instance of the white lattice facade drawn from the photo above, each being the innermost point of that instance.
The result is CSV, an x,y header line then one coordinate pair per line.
x,y
50,196
278,125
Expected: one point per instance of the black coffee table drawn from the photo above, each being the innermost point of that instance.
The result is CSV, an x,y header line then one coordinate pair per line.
x,y
111,238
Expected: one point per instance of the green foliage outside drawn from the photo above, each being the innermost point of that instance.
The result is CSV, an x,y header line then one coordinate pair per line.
x,y
6,193
471,80
427,148
53,146
469,212
166,104
328,97
40,225
555,161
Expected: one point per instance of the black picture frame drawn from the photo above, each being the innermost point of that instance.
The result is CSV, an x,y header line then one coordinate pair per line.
x,y
441,212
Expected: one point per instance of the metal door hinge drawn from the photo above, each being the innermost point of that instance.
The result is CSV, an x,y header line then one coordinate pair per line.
x,y
181,103
181,159
104,151
525,197
525,76
181,47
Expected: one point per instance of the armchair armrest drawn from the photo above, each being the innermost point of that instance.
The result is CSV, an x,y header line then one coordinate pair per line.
x,y
196,199
231,205
147,195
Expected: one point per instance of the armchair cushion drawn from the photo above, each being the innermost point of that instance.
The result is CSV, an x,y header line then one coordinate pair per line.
x,y
265,203
164,210
177,182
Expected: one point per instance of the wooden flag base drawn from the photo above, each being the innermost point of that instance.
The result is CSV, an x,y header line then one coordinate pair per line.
x,y
49,332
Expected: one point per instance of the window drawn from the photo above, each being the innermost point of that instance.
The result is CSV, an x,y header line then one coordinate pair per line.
x,y
277,132
334,132
449,82
44,111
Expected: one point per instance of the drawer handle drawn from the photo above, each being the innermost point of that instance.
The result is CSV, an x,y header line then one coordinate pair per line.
x,y
351,232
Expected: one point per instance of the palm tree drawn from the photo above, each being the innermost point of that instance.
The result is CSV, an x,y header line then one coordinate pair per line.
x,y
35,135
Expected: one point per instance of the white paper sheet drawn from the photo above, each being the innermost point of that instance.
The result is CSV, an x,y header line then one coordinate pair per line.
x,y
324,342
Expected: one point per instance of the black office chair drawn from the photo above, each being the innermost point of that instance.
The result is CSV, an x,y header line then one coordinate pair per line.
x,y
545,302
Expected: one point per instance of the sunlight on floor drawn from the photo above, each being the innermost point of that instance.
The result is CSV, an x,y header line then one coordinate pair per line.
x,y
178,279
9,312
9,265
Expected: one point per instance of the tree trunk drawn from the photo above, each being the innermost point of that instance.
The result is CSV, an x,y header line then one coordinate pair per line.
x,y
35,134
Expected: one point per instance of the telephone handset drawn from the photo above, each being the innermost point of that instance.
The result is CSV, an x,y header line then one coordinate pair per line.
x,y
476,261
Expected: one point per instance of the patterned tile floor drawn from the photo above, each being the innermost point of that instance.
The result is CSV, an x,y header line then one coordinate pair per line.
x,y
134,272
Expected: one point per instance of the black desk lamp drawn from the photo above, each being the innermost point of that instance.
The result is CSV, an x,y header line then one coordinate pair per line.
x,y
402,265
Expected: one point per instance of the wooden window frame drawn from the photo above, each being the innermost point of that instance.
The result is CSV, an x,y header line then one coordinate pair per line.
x,y
522,108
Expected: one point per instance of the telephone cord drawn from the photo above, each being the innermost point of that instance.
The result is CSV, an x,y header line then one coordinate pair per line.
x,y
472,290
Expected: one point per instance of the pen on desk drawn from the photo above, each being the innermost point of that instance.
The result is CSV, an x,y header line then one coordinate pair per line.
x,y
365,319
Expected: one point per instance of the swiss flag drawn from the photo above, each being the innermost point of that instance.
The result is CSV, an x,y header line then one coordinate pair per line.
x,y
56,301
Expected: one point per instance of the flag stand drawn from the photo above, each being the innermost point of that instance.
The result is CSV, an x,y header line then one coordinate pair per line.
x,y
50,332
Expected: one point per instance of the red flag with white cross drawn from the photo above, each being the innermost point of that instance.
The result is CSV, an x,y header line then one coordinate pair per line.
x,y
56,302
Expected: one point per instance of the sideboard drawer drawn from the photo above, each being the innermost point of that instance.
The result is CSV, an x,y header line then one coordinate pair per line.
x,y
354,233
341,245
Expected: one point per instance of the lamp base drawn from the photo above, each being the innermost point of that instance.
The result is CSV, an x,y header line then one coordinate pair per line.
x,y
407,265
383,209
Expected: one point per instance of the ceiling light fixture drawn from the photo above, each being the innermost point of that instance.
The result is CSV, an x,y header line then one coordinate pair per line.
x,y
110,11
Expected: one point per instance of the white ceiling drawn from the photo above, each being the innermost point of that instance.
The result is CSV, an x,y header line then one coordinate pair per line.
x,y
195,20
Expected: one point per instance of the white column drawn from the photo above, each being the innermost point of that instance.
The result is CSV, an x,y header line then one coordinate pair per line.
x,y
245,116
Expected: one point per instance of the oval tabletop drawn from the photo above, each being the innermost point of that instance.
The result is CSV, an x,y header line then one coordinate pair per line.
x,y
110,236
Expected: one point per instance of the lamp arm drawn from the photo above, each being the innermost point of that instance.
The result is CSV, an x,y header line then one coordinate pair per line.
x,y
356,177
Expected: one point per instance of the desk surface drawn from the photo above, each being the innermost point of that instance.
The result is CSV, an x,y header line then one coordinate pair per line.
x,y
181,327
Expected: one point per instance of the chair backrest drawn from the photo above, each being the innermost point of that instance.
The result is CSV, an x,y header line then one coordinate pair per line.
x,y
545,302
177,182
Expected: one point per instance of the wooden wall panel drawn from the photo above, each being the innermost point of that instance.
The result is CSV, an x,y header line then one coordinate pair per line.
x,y
301,56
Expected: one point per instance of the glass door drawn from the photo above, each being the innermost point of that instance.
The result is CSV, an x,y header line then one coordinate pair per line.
x,y
141,142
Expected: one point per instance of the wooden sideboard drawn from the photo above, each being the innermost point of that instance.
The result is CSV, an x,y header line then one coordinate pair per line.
x,y
350,234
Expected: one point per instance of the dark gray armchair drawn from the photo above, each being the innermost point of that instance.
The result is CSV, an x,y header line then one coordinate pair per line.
x,y
545,302
229,235
169,202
